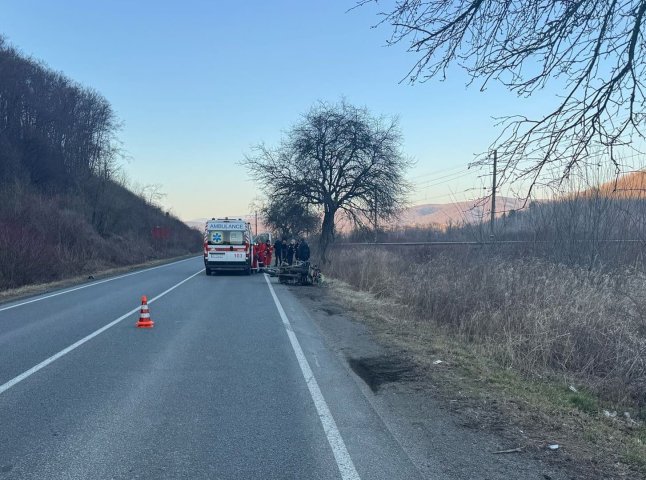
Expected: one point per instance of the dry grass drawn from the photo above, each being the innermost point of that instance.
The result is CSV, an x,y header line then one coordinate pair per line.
x,y
531,315
514,335
46,238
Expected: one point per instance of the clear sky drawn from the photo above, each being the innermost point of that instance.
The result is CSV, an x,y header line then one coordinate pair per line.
x,y
198,82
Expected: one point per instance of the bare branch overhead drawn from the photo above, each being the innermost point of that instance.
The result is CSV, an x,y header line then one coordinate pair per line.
x,y
592,50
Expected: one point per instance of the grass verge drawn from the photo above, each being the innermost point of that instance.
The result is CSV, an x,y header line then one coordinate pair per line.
x,y
596,439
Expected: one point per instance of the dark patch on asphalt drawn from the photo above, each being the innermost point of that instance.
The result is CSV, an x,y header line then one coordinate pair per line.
x,y
376,371
6,468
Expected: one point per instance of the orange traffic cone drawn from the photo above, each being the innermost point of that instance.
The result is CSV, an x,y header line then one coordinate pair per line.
x,y
144,315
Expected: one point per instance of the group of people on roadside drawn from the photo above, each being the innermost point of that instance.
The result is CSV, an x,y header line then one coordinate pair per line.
x,y
295,250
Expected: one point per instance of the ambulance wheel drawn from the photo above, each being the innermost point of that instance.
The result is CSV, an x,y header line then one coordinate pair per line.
x,y
248,271
208,272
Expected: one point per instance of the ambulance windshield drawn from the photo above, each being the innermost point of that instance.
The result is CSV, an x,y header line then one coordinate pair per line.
x,y
225,237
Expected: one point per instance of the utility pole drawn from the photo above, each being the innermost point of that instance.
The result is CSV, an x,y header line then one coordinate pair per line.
x,y
256,213
493,193
376,217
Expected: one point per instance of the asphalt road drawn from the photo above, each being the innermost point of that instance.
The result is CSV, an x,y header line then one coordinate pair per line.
x,y
225,386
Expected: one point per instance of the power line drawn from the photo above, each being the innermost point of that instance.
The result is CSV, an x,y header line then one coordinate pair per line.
x,y
452,194
456,174
441,180
431,174
453,174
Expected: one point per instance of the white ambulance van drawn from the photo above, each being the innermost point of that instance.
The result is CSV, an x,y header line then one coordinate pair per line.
x,y
228,245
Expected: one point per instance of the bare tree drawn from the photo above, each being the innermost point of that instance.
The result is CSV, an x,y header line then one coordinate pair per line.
x,y
290,217
338,158
594,50
152,193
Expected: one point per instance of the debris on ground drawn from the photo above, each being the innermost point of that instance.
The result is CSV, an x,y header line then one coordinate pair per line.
x,y
299,273
511,450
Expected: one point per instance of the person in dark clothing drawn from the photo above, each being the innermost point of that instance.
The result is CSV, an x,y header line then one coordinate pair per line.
x,y
303,251
290,252
296,257
283,250
278,252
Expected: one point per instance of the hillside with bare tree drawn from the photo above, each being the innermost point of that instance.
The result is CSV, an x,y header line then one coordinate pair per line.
x,y
63,208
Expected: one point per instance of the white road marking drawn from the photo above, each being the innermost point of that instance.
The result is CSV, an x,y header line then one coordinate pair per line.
x,y
341,455
91,285
65,351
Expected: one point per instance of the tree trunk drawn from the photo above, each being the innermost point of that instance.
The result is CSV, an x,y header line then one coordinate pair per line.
x,y
327,233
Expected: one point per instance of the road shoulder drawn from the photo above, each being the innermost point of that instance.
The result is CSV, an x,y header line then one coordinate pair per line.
x,y
26,291
412,406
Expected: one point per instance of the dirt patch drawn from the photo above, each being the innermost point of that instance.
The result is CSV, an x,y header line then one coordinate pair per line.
x,y
376,371
332,311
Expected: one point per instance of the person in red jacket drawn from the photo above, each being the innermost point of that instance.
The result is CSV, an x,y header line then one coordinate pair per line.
x,y
268,252
261,254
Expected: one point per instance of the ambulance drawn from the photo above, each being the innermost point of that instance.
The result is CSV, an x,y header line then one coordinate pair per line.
x,y
228,245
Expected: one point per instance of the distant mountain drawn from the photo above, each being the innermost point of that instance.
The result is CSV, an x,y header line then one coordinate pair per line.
x,y
441,214
631,185
438,214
